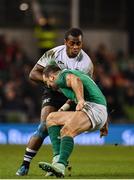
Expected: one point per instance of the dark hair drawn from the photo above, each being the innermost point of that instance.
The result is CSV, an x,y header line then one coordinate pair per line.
x,y
50,69
74,32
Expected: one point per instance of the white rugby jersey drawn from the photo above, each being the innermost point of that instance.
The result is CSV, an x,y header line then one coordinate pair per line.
x,y
59,56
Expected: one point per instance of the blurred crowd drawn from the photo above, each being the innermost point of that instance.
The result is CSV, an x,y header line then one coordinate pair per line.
x,y
20,98
114,73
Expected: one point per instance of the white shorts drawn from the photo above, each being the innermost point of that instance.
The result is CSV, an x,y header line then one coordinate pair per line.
x,y
97,113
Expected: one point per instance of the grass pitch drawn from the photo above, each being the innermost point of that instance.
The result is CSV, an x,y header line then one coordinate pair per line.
x,y
88,162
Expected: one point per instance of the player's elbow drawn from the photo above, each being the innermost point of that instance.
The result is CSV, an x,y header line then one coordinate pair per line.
x,y
31,75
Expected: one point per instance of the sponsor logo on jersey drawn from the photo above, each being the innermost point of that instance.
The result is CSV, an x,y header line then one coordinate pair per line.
x,y
46,100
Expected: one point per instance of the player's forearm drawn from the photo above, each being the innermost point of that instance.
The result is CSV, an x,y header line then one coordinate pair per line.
x,y
36,77
36,74
77,87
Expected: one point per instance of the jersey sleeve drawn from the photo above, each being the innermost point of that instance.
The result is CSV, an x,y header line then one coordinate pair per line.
x,y
86,64
90,68
48,58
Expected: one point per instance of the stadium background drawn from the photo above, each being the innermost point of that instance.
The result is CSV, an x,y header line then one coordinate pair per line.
x,y
30,27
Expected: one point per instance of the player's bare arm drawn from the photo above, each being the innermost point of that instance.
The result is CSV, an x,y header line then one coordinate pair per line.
x,y
75,83
36,73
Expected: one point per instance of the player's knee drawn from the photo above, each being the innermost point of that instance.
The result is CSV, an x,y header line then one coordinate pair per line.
x,y
50,120
68,131
41,131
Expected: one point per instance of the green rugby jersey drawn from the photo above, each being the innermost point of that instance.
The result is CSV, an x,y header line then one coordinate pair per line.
x,y
92,93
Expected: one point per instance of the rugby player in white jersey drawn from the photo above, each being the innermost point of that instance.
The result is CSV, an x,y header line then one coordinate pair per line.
x,y
67,56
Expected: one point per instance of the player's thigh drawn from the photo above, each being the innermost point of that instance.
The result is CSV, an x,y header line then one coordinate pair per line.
x,y
58,118
78,123
73,121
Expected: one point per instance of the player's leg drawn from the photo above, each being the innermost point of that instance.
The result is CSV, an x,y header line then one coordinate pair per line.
x,y
73,124
52,101
54,131
55,121
93,117
35,141
41,133
55,139
79,122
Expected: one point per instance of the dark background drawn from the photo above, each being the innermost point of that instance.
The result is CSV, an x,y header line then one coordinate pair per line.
x,y
20,99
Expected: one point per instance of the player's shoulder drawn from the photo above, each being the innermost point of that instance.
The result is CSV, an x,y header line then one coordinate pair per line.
x,y
59,49
54,52
84,54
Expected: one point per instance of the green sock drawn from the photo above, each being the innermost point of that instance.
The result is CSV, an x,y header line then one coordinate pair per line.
x,y
54,134
66,148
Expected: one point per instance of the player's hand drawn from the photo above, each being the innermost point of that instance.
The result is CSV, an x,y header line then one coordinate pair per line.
x,y
80,105
104,130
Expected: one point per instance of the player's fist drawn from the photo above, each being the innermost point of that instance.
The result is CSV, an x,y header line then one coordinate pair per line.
x,y
104,130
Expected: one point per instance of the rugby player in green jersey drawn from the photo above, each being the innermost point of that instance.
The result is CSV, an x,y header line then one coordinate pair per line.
x,y
90,114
